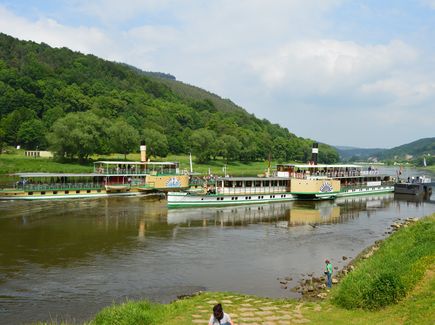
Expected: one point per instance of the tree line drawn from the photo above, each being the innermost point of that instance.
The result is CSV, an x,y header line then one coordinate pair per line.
x,y
78,105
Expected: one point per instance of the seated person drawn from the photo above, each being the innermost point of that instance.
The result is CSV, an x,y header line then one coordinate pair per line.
x,y
219,317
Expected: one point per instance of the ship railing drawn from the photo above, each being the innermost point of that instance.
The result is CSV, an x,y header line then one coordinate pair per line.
x,y
327,174
60,186
132,172
196,182
360,186
252,190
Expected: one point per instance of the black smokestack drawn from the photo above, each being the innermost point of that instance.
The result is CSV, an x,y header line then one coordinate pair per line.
x,y
314,153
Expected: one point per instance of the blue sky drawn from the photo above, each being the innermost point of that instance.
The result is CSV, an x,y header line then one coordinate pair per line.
x,y
356,73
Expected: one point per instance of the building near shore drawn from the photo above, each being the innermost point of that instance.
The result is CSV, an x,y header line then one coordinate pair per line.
x,y
38,153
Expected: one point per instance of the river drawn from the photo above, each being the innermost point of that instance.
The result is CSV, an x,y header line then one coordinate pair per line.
x,y
65,260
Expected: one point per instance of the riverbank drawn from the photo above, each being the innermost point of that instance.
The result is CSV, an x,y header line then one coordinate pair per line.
x,y
408,255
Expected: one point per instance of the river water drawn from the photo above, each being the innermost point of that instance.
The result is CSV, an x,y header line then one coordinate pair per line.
x,y
65,260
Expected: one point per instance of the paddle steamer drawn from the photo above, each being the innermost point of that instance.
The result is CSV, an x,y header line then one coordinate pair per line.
x,y
289,182
109,178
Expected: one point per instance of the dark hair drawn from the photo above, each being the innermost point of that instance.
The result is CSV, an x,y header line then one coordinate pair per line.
x,y
218,312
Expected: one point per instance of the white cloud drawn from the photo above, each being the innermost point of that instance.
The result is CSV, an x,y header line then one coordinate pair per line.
x,y
313,67
82,38
115,11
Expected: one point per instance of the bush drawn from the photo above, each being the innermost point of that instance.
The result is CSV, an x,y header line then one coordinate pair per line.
x,y
385,290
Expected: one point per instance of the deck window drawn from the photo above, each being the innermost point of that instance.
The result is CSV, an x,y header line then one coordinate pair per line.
x,y
42,193
78,191
257,183
265,183
248,183
66,192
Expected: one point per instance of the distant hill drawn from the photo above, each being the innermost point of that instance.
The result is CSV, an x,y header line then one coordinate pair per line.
x,y
162,75
410,150
353,153
80,105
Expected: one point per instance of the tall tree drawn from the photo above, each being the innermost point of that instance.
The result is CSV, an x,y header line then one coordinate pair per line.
x,y
31,134
157,143
204,144
123,137
79,135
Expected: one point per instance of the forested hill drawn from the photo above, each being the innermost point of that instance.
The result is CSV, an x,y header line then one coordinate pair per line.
x,y
355,154
415,149
78,105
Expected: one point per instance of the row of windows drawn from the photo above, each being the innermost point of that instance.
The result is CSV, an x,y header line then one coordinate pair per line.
x,y
66,192
255,183
247,197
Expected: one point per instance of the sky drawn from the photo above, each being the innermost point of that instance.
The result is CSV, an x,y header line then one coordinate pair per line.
x,y
343,72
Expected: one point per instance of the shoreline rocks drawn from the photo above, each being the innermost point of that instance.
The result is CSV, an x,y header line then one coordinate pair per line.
x,y
314,288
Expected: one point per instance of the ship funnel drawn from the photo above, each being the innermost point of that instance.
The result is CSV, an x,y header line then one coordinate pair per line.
x,y
314,153
143,152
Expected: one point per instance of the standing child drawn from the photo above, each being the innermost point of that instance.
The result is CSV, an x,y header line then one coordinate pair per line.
x,y
219,317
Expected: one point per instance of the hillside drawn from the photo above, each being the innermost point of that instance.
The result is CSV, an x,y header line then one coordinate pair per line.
x,y
78,105
352,153
415,149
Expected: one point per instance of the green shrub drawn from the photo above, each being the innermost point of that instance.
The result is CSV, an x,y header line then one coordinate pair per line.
x,y
385,290
392,271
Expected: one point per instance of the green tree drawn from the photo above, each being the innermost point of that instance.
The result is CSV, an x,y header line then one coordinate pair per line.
x,y
229,147
31,134
204,144
123,137
279,150
157,143
2,140
12,123
79,135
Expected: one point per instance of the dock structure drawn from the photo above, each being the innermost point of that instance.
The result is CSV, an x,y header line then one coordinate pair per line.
x,y
415,186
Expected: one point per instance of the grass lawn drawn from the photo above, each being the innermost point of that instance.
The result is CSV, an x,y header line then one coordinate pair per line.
x,y
17,162
13,163
430,168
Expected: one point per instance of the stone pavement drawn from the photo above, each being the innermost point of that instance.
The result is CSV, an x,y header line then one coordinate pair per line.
x,y
251,311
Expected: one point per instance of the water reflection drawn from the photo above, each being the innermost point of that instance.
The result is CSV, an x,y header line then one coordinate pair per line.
x,y
417,199
58,233
287,214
